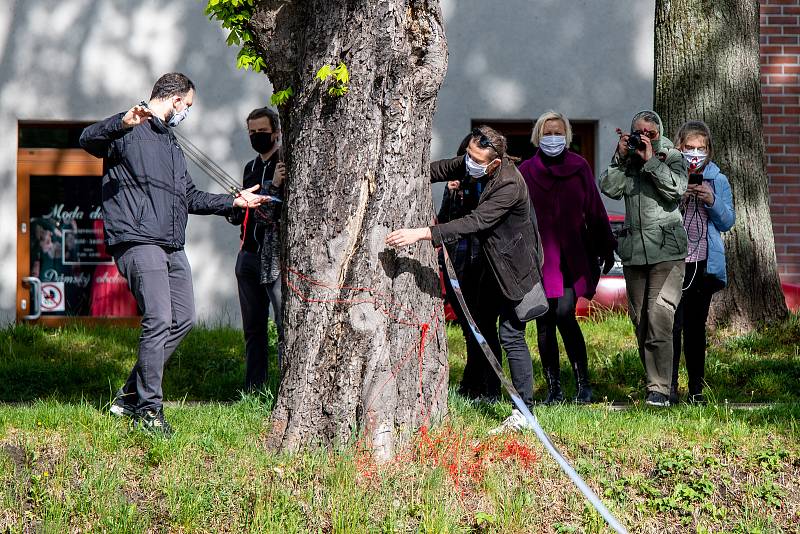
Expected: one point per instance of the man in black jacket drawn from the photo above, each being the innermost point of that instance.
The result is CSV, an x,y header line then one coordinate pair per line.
x,y
502,223
147,196
257,265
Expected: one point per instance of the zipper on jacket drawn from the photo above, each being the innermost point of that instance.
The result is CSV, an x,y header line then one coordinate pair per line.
x,y
641,227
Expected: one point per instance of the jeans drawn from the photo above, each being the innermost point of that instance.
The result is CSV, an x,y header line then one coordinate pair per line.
x,y
509,333
255,299
654,292
161,281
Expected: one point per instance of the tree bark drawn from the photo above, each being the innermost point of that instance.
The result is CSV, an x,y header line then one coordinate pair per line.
x,y
371,360
707,68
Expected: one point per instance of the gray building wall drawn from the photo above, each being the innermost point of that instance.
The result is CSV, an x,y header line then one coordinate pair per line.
x,y
509,59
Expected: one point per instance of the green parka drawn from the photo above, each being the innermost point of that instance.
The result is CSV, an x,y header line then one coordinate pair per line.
x,y
653,230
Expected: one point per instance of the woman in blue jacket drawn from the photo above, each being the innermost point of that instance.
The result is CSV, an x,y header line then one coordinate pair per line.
x,y
707,208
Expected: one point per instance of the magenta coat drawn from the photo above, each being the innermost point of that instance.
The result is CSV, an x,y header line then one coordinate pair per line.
x,y
572,221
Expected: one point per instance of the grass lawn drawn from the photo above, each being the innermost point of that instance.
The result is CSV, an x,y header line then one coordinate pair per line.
x,y
66,466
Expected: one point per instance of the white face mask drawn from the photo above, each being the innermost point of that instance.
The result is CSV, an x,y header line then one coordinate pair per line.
x,y
695,157
177,117
553,145
474,169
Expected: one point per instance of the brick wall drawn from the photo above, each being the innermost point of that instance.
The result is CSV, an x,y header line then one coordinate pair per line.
x,y
780,87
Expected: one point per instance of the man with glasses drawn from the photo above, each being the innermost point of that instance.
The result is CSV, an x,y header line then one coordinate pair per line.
x,y
503,224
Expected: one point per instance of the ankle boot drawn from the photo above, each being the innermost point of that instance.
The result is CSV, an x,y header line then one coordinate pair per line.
x,y
554,393
583,390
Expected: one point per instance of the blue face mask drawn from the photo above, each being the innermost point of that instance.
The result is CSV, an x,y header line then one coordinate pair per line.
x,y
474,169
177,117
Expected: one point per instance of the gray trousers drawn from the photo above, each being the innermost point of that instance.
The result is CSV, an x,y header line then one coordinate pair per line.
x,y
161,281
654,292
255,299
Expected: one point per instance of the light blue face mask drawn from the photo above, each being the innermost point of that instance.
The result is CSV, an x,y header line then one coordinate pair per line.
x,y
474,169
177,117
553,145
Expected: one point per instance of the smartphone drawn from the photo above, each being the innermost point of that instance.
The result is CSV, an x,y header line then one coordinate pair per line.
x,y
695,178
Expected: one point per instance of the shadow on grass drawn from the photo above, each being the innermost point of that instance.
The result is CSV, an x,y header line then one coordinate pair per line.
x,y
78,363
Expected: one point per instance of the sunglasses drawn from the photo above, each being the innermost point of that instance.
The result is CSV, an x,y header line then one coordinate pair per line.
x,y
483,141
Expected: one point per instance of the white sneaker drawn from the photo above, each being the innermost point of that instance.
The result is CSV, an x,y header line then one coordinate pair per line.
x,y
515,422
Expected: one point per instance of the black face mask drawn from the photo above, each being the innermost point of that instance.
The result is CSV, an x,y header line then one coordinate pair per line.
x,y
261,142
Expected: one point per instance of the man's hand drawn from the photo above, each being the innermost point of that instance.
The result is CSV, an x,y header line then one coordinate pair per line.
x,y
453,185
703,192
136,116
622,147
280,174
408,236
247,198
647,152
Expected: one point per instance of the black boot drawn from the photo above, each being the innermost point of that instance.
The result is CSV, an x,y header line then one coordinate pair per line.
x,y
580,369
554,393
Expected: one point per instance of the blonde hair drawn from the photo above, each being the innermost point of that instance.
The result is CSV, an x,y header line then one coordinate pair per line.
x,y
538,128
695,128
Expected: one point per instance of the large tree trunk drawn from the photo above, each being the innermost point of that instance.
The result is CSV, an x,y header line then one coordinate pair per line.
x,y
707,68
357,360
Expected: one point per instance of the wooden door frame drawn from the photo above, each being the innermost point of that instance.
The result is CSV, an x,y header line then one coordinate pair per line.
x,y
50,162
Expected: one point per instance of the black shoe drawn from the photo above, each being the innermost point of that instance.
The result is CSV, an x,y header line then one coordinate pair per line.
x,y
654,398
584,395
120,408
554,393
153,422
554,396
674,398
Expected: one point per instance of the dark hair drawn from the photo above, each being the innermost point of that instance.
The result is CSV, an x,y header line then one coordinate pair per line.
x,y
258,113
171,84
695,128
497,140
462,148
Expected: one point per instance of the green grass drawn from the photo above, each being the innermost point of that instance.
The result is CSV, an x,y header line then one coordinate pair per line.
x,y
66,466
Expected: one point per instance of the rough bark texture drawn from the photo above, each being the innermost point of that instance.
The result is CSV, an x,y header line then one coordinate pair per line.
x,y
707,67
358,168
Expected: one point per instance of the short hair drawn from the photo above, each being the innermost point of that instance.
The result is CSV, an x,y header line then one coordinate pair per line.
x,y
171,84
695,128
497,140
259,113
538,128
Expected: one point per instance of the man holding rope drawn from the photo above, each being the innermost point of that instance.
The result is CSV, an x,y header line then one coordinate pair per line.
x,y
147,196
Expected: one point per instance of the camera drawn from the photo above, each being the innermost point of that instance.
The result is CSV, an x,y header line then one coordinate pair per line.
x,y
635,141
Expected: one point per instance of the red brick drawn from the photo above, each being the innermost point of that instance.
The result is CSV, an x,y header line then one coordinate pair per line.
x,y
784,119
782,178
772,110
783,79
784,99
773,147
770,10
775,169
782,60
791,10
791,160
791,30
792,110
783,218
785,19
766,50
793,189
793,149
779,39
792,170
790,69
772,69
782,2
785,139
771,89
783,239
771,30
791,89
792,50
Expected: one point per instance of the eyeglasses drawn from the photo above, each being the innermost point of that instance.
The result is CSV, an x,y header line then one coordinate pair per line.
x,y
483,141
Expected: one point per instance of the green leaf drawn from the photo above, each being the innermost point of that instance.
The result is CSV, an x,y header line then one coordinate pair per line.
x,y
279,98
341,73
324,73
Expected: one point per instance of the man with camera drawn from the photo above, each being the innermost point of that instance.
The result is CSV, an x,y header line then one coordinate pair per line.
x,y
650,174
502,223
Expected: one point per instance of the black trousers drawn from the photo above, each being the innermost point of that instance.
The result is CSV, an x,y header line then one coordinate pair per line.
x,y
561,316
255,299
498,323
690,320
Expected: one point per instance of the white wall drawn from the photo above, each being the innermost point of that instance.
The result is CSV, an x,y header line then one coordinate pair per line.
x,y
514,59
88,59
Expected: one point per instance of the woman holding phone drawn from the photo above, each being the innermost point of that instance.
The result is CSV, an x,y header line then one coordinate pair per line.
x,y
707,208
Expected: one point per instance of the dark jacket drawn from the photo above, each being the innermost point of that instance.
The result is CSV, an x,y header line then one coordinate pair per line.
x,y
147,190
258,172
501,221
572,220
